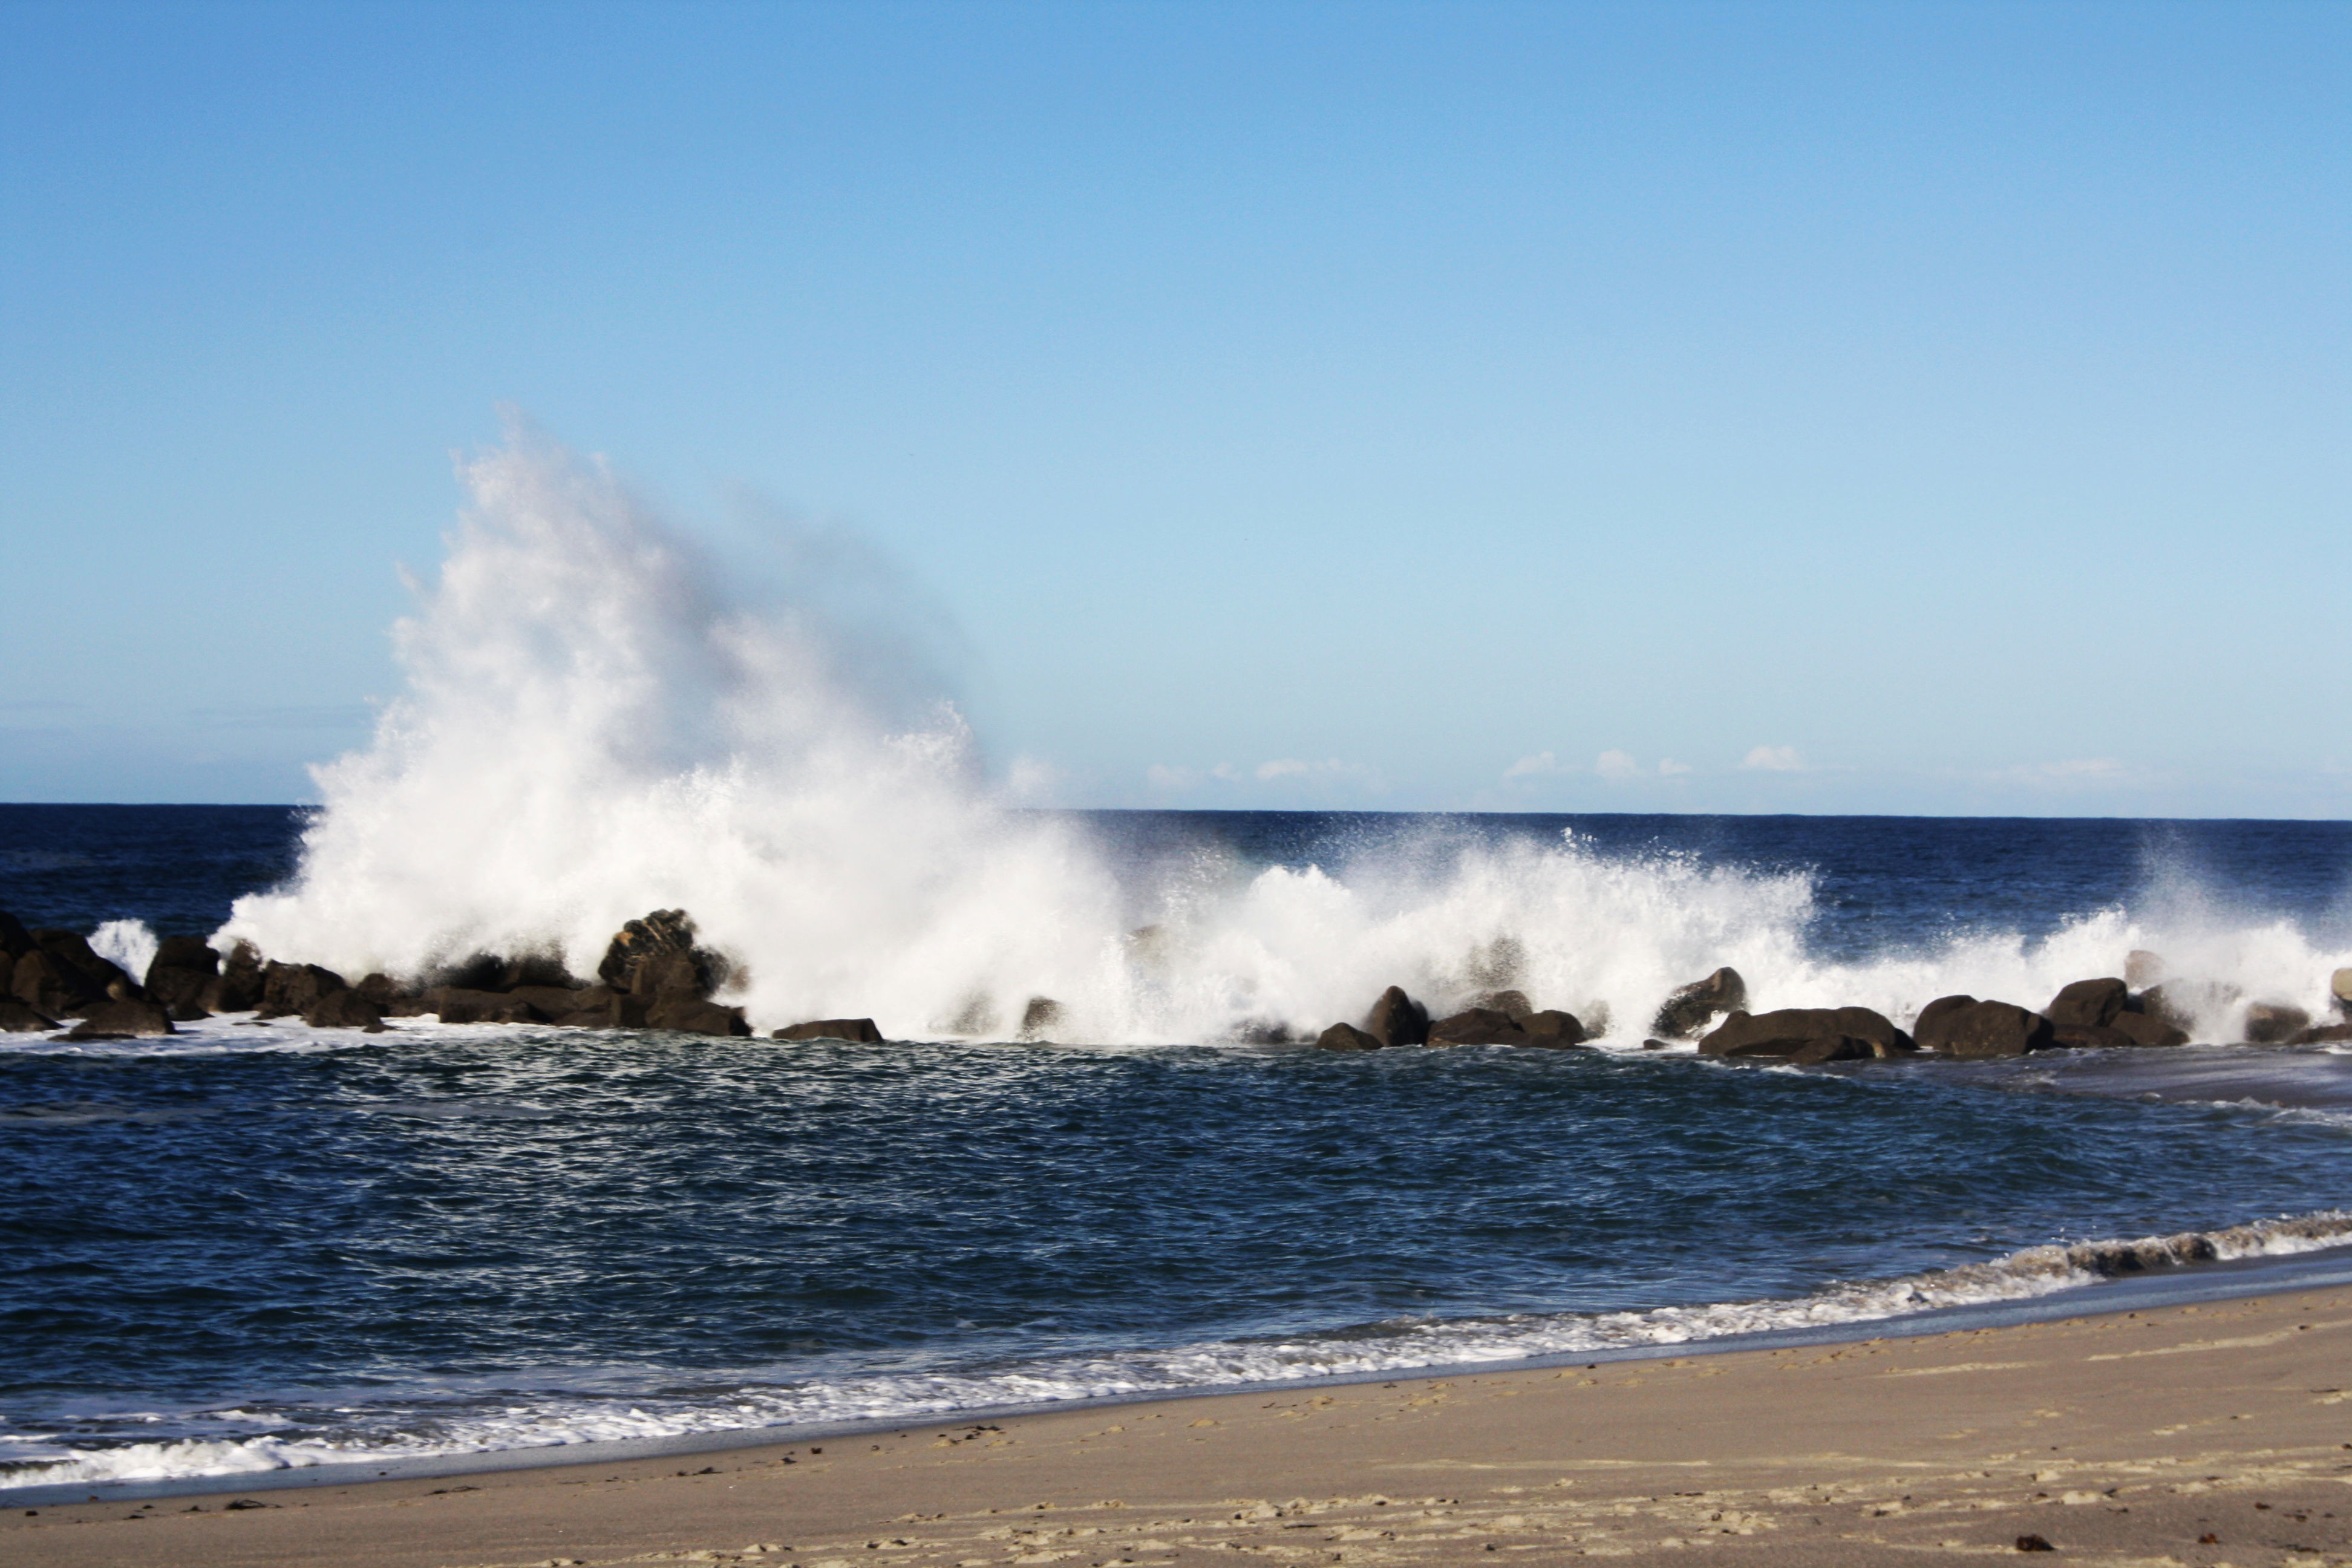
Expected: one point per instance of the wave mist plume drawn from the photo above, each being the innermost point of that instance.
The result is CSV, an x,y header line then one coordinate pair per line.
x,y
594,727
597,724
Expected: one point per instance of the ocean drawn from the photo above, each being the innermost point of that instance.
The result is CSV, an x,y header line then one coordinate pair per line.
x,y
256,1247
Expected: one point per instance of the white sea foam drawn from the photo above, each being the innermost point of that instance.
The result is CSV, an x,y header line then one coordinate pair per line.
x,y
416,1431
596,724
127,943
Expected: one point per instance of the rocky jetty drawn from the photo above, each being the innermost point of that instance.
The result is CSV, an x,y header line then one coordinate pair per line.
x,y
656,974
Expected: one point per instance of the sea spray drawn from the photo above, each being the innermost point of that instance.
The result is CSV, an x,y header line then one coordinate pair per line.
x,y
598,723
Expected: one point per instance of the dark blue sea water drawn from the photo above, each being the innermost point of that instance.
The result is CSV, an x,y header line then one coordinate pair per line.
x,y
256,1245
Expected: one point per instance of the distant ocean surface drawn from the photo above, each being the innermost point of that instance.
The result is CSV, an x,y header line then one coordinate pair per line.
x,y
256,1246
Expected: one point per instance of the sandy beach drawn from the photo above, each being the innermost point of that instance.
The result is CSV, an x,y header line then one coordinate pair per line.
x,y
2198,1435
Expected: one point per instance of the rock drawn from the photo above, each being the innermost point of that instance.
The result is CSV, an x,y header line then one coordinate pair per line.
x,y
2339,986
127,1019
41,981
15,942
858,1031
693,1015
1926,1028
1554,1028
380,988
456,1005
291,990
1832,1049
2273,1023
1511,1004
1257,1032
1042,1014
662,935
2095,1002
345,1009
184,969
1477,1026
2165,1003
1980,1029
2089,1037
73,950
1692,1007
185,952
2322,1035
15,1019
1656,1045
553,1001
1791,1030
241,984
2146,1030
2142,969
1396,1019
1347,1038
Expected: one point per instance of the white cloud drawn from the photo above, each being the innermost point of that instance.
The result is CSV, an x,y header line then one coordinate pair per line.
x,y
1614,765
1669,768
1162,776
1774,760
1282,767
1529,767
1227,772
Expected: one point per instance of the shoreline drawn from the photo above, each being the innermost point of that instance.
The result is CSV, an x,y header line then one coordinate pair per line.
x,y
2196,1433
2198,1284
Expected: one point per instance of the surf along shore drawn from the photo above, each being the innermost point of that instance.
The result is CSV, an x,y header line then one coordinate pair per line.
x,y
2212,1433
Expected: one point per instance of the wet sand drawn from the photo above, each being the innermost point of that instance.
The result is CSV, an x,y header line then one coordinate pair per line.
x,y
2213,1433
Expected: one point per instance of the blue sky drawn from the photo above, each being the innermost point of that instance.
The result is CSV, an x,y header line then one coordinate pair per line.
x,y
1885,408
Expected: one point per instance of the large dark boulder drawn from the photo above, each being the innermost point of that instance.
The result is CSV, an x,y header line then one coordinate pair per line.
x,y
2323,1033
2172,1003
125,1018
15,1019
554,1000
1511,1004
1969,1028
2273,1023
1553,1029
345,1009
100,976
15,942
456,1005
1926,1028
858,1030
185,952
43,983
1396,1019
1690,1008
2147,1029
2089,1037
1809,1031
1477,1026
692,1016
2088,1001
291,990
659,954
242,983
184,968
1042,1014
1347,1038
2340,987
